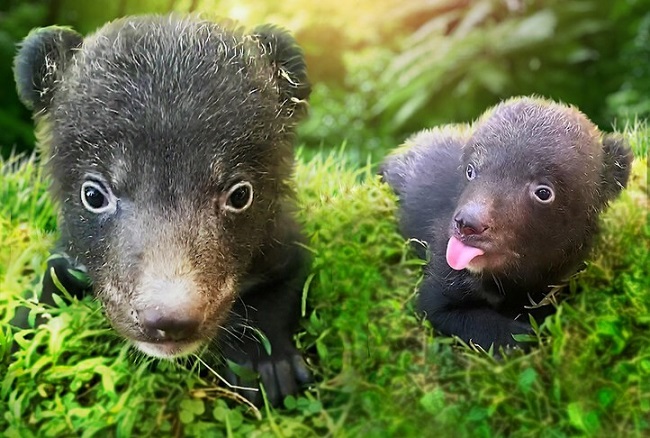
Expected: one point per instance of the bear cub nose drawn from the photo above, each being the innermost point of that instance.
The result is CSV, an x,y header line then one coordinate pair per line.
x,y
159,325
471,220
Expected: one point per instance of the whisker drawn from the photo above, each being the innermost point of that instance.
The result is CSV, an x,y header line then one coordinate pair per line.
x,y
499,285
223,380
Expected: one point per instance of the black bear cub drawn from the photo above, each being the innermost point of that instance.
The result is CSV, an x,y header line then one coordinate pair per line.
x,y
169,142
507,207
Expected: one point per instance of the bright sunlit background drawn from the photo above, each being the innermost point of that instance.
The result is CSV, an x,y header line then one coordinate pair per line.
x,y
382,69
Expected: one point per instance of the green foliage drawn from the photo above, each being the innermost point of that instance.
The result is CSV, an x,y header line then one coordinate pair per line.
x,y
16,133
469,55
23,193
380,370
633,99
343,113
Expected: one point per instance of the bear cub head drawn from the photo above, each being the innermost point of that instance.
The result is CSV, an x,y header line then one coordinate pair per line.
x,y
536,176
169,144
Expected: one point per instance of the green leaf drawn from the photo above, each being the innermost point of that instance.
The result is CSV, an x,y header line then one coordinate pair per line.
x,y
534,29
80,275
220,411
524,337
477,413
59,286
606,397
576,416
315,406
186,417
235,419
527,379
31,317
433,402
261,336
241,371
195,406
533,323
107,375
305,293
290,402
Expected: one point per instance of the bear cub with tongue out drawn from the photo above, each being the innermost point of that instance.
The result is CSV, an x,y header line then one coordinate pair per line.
x,y
508,207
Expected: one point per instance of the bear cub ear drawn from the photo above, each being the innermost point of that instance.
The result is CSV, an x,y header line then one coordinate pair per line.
x,y
288,61
617,161
40,62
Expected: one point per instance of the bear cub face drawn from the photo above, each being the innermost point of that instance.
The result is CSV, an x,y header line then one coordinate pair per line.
x,y
169,143
534,182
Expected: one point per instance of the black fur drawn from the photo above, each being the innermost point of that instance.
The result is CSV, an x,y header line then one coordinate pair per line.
x,y
290,68
168,114
529,245
44,55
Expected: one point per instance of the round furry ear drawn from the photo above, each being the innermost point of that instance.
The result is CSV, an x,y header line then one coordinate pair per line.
x,y
617,162
40,62
288,61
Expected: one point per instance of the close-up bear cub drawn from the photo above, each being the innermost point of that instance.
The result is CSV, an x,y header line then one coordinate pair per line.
x,y
507,207
169,143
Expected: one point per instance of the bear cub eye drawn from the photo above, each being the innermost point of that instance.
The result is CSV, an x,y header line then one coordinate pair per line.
x,y
96,197
470,172
239,197
544,194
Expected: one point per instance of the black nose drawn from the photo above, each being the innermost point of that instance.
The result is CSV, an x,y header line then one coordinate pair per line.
x,y
471,219
160,326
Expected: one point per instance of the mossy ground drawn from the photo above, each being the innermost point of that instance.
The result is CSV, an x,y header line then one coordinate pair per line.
x,y
380,371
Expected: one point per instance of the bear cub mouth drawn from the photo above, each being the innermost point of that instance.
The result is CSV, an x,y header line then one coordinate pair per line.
x,y
168,349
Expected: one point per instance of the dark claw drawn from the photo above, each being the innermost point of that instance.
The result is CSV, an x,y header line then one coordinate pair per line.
x,y
286,378
268,379
302,373
280,374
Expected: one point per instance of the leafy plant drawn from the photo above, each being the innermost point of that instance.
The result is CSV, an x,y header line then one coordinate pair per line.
x,y
342,113
468,55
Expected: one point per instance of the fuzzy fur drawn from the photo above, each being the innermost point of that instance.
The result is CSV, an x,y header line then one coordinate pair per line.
x,y
169,112
529,246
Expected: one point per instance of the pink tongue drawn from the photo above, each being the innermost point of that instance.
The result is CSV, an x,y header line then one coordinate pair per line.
x,y
459,255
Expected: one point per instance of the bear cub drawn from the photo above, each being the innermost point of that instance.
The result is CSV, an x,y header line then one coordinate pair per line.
x,y
507,207
169,143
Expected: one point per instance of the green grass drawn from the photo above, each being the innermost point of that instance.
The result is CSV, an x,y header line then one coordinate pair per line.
x,y
380,370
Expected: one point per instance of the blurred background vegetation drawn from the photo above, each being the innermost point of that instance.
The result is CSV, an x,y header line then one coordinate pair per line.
x,y
382,69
